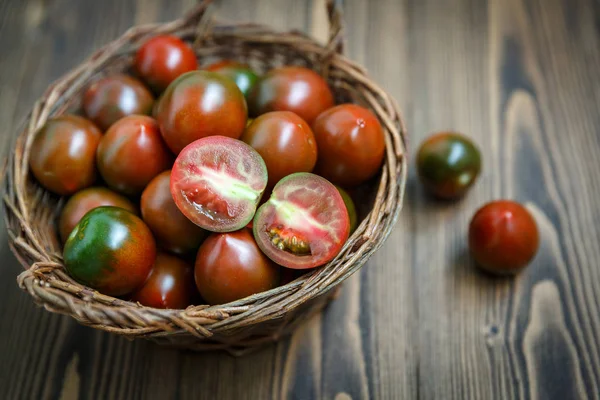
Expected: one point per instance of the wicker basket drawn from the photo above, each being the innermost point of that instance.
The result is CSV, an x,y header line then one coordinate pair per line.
x,y
242,325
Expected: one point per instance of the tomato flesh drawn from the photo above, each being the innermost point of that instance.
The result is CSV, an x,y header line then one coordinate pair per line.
x,y
304,224
217,182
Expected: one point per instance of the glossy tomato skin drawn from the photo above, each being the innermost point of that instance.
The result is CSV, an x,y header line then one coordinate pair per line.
x,y
200,104
351,144
169,285
63,154
349,203
304,223
162,59
114,97
448,164
230,266
172,230
285,142
110,250
86,200
241,74
217,183
295,89
132,153
503,237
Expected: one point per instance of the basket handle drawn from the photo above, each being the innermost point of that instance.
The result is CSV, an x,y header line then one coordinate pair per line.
x,y
335,37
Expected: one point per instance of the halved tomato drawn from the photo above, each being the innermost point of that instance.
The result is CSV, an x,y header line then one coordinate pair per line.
x,y
217,182
304,224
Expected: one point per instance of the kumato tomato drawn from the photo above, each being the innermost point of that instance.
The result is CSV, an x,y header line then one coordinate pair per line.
x,y
162,59
285,142
240,73
295,89
304,223
110,250
217,182
86,200
350,207
169,285
132,153
351,144
108,100
230,266
503,237
448,164
172,230
200,104
63,154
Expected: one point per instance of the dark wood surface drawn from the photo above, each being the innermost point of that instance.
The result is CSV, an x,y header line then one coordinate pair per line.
x,y
522,77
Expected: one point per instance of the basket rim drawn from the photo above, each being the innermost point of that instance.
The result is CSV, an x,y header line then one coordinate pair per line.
x,y
45,279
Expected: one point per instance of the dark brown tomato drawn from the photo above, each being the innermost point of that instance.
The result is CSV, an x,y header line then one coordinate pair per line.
x,y
295,89
230,266
200,104
132,153
173,231
503,237
169,285
162,59
86,200
285,142
351,144
241,74
304,223
63,154
108,100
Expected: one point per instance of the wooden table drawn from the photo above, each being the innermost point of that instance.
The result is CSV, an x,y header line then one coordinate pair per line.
x,y
522,77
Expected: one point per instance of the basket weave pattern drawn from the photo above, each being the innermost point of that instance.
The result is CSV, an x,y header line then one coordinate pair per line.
x,y
31,211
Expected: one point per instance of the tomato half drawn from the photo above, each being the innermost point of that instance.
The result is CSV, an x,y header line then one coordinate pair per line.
x,y
351,144
304,224
110,250
240,73
230,266
63,154
503,237
217,182
131,153
162,59
169,285
285,141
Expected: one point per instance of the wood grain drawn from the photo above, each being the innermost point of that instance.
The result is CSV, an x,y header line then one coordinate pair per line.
x,y
522,77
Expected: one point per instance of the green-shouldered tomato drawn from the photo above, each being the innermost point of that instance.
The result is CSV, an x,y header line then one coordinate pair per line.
x,y
110,250
86,200
448,164
63,154
111,98
241,74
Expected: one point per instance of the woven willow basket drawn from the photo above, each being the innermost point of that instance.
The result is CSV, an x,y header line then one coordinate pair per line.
x,y
239,326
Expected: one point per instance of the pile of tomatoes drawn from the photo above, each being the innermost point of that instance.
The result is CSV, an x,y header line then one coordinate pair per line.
x,y
193,185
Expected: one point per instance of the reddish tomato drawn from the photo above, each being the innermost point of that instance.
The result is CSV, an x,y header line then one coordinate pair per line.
x,y
217,182
173,231
63,154
114,97
110,250
240,73
503,237
169,285
295,89
131,153
230,266
200,104
351,144
85,200
448,164
284,141
304,224
162,59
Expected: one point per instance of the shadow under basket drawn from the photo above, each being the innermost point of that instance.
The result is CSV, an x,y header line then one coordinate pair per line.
x,y
242,325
